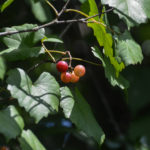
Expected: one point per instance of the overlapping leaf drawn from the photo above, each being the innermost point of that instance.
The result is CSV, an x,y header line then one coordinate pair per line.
x,y
11,123
22,45
131,10
29,141
39,98
104,39
128,50
110,74
79,112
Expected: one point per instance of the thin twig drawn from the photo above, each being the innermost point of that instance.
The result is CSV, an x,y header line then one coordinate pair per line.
x,y
46,50
53,22
70,58
80,59
108,10
64,8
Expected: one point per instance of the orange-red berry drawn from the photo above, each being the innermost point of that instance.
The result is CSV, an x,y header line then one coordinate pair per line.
x,y
74,78
65,77
79,70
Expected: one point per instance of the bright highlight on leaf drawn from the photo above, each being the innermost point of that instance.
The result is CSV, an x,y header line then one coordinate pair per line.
x,y
39,98
104,39
133,11
29,141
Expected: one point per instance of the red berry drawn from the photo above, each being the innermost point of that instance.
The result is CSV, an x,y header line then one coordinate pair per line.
x,y
74,78
62,66
79,70
65,77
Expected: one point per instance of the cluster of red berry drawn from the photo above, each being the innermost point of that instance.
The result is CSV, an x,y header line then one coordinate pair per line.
x,y
72,76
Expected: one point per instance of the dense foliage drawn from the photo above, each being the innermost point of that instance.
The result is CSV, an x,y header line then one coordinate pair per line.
x,y
107,108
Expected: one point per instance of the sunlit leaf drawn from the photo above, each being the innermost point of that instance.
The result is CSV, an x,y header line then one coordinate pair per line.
x,y
104,39
129,10
29,141
39,98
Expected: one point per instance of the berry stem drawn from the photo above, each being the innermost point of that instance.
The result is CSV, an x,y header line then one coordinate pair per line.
x,y
46,50
80,59
56,51
55,10
70,58
92,19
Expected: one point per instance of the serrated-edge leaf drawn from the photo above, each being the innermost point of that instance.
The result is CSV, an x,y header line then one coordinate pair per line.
x,y
40,98
104,39
29,141
110,74
128,50
130,9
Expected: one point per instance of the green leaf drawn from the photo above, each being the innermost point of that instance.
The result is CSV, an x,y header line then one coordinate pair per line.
x,y
67,101
110,72
2,68
51,39
29,141
6,4
40,98
79,112
22,45
41,10
129,10
11,123
104,39
128,50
